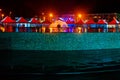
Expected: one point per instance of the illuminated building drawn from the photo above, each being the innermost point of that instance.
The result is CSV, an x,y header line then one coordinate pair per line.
x,y
104,22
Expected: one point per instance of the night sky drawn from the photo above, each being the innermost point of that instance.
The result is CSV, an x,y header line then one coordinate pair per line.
x,y
29,8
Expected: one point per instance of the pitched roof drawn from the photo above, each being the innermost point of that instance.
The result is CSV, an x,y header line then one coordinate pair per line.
x,y
101,21
80,22
70,22
90,22
33,20
7,19
114,21
22,20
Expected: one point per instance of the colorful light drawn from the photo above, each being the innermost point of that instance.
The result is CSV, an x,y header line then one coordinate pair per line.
x,y
79,30
51,15
79,15
50,30
0,9
2,15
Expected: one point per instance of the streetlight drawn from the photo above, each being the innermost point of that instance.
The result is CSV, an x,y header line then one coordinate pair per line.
x,y
51,15
79,15
2,15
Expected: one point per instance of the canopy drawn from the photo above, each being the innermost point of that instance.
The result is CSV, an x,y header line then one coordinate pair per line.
x,y
101,21
70,22
22,20
90,22
114,21
33,20
80,22
58,22
7,19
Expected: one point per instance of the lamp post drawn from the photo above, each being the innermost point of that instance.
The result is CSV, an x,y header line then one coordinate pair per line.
x,y
79,17
2,16
51,16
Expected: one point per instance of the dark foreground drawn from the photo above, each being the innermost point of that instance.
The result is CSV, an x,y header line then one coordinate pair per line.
x,y
112,75
95,76
60,65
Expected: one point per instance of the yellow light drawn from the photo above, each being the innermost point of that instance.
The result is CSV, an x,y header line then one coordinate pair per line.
x,y
50,30
99,30
79,30
2,29
43,29
51,15
2,15
79,15
85,30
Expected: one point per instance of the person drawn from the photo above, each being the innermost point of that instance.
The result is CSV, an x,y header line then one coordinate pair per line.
x,y
58,26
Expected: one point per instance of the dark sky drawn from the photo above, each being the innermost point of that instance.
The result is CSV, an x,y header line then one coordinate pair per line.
x,y
29,8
